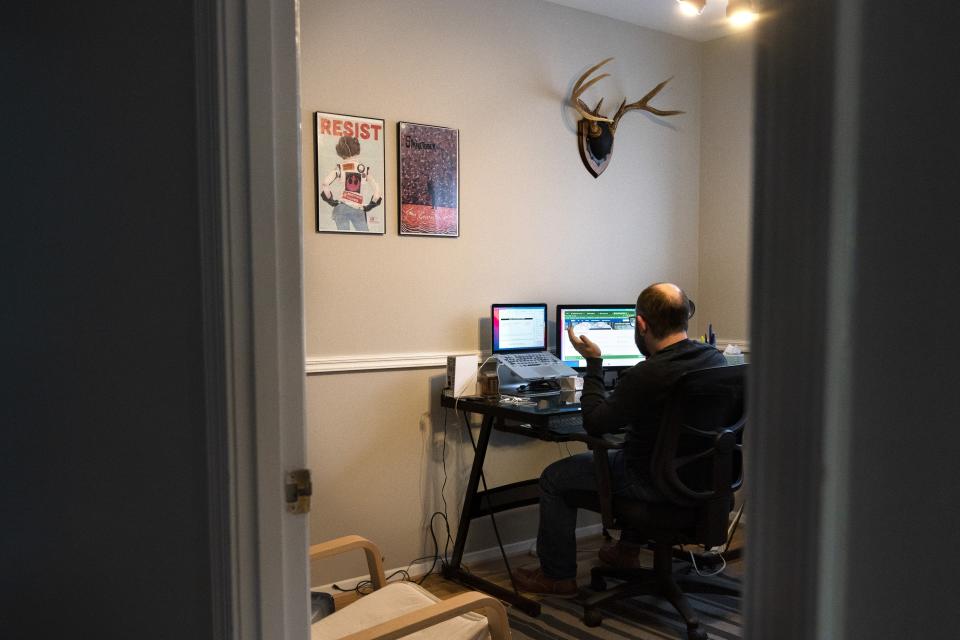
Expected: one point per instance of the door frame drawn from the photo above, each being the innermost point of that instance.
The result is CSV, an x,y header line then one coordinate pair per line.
x,y
248,125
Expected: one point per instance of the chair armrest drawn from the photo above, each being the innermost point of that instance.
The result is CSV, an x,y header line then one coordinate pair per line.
x,y
601,464
614,440
444,610
349,543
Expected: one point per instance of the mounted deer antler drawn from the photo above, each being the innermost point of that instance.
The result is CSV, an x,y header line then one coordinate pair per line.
x,y
578,90
595,132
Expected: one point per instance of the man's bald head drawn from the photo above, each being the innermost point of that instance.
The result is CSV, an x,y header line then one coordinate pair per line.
x,y
665,308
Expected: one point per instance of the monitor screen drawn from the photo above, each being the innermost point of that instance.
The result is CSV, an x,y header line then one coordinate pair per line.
x,y
519,327
611,326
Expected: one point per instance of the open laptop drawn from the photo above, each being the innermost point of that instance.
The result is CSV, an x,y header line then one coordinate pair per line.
x,y
520,341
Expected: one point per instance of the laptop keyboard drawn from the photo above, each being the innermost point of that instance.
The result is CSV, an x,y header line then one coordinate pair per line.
x,y
528,359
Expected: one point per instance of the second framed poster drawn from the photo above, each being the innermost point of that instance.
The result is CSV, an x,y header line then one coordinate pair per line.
x,y
429,161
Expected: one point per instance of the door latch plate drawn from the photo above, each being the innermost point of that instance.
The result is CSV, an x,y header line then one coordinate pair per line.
x,y
298,489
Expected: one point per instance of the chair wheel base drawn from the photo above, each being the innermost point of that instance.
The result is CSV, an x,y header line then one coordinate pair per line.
x,y
592,618
597,583
697,633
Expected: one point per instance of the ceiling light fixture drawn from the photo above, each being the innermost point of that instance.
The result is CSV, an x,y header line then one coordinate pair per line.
x,y
691,7
741,12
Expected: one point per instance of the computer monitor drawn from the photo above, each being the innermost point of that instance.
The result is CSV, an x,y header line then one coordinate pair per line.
x,y
611,326
519,327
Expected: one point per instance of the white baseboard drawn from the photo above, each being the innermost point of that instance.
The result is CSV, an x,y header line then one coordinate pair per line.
x,y
474,557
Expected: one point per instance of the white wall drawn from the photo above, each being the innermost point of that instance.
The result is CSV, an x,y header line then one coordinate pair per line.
x,y
535,226
726,176
500,72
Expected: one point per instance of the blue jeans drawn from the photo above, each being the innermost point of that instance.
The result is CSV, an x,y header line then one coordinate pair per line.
x,y
344,215
556,536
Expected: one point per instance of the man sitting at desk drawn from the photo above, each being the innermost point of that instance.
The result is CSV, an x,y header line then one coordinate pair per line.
x,y
637,403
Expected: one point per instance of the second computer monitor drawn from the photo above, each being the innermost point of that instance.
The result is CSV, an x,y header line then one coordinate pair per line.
x,y
610,326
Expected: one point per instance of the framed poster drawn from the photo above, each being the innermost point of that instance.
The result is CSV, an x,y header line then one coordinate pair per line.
x,y
349,160
429,161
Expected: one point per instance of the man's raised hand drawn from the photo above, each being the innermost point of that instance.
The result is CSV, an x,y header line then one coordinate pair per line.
x,y
583,345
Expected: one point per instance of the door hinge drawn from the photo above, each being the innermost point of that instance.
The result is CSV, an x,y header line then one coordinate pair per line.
x,y
298,490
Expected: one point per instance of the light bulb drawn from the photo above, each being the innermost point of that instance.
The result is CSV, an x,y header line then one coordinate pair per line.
x,y
691,7
740,12
742,18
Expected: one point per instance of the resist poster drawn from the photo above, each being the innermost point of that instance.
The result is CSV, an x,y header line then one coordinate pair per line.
x,y
350,184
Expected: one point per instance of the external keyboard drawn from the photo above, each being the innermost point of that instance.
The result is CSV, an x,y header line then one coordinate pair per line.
x,y
566,424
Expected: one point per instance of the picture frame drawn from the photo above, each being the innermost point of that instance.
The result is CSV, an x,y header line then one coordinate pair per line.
x,y
428,168
350,183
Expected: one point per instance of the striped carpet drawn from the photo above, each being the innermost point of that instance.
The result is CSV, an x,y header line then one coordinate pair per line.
x,y
641,618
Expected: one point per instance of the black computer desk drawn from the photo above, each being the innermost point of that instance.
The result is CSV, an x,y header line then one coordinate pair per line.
x,y
506,417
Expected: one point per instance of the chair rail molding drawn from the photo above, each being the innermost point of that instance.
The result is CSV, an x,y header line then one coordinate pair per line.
x,y
422,360
379,361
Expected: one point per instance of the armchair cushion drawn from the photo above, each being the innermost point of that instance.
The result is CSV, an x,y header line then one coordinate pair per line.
x,y
393,600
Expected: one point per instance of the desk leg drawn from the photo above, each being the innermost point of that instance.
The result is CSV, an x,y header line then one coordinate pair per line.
x,y
465,514
453,571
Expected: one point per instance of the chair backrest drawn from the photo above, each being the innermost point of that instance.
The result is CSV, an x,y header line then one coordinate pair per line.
x,y
698,458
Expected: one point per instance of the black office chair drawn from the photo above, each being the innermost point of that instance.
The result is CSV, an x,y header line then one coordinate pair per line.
x,y
697,465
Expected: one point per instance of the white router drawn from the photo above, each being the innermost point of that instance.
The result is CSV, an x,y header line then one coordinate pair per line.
x,y
462,374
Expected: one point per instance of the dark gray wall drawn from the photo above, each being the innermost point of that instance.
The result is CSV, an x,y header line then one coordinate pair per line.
x,y
900,494
905,484
103,474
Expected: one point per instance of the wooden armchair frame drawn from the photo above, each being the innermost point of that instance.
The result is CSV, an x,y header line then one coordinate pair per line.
x,y
419,619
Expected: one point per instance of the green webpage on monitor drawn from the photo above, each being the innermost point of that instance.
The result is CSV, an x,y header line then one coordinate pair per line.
x,y
610,326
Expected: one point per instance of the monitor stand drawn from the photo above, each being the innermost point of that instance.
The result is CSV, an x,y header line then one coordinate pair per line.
x,y
610,379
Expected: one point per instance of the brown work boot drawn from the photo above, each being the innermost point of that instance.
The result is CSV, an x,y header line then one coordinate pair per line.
x,y
534,581
623,555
